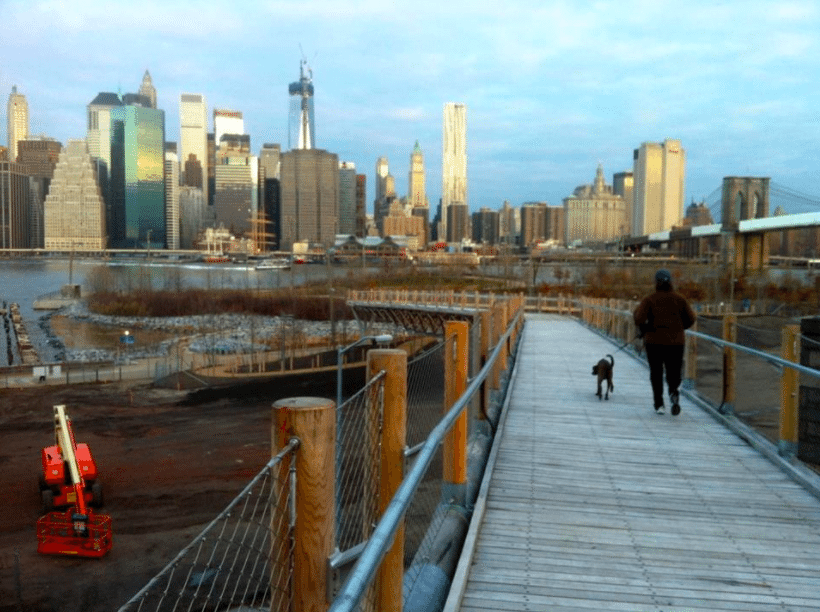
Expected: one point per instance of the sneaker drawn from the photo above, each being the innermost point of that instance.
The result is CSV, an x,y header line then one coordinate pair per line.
x,y
674,396
660,410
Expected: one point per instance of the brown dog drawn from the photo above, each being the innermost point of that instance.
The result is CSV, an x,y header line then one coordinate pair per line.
x,y
603,370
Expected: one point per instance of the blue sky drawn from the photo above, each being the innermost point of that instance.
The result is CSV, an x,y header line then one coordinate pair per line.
x,y
552,88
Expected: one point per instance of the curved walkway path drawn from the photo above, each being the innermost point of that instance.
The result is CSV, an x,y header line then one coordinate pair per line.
x,y
604,505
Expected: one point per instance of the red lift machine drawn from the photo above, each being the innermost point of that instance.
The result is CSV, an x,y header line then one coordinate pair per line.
x,y
76,531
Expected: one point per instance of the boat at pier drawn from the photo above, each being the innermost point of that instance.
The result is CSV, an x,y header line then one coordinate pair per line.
x,y
280,263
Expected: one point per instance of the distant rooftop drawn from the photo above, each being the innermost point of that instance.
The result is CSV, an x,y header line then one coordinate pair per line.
x,y
107,98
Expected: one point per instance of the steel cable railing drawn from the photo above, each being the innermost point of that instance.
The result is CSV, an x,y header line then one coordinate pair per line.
x,y
242,559
364,570
359,421
230,563
425,407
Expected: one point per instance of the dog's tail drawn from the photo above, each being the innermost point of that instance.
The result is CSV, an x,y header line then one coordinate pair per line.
x,y
611,359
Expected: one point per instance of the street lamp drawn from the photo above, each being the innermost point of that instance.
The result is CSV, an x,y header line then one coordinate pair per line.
x,y
381,339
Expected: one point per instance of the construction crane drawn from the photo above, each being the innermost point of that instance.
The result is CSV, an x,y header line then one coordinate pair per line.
x,y
77,531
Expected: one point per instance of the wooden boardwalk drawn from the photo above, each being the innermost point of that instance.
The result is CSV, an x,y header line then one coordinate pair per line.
x,y
604,505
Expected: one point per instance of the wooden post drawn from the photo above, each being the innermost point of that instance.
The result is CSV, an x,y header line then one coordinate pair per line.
x,y
454,461
789,393
485,352
497,331
505,323
388,582
691,361
729,364
312,421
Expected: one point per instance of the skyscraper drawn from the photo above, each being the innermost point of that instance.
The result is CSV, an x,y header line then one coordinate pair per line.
x,y
416,194
236,187
310,197
172,221
507,231
659,174
347,198
192,210
301,126
98,139
485,226
361,205
454,170
382,170
193,139
147,89
74,210
17,116
270,170
533,223
623,184
38,156
14,206
227,121
137,177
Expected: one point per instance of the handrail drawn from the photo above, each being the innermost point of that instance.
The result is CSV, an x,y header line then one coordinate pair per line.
x,y
757,353
774,359
382,537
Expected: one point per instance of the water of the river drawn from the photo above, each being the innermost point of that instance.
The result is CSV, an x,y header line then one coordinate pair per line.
x,y
25,280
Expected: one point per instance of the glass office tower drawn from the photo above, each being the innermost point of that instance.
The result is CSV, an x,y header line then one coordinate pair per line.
x,y
137,177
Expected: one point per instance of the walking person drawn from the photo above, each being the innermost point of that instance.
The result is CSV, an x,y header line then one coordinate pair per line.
x,y
662,318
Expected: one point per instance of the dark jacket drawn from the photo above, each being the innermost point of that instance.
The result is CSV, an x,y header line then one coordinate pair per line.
x,y
663,316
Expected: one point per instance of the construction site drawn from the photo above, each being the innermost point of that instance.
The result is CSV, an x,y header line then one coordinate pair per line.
x,y
167,467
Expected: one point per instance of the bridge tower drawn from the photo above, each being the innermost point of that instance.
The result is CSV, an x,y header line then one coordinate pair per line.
x,y
744,197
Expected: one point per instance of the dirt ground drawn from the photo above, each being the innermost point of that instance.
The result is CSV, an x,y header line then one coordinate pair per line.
x,y
168,468
166,471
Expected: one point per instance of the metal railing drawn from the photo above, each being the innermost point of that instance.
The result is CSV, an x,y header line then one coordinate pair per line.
x,y
245,556
230,563
717,369
380,541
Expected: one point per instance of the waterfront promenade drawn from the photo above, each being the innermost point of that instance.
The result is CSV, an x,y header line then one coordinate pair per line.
x,y
604,505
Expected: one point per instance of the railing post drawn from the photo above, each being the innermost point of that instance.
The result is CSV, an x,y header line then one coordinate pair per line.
x,y
691,361
388,582
485,352
311,420
505,323
729,364
498,331
454,460
789,393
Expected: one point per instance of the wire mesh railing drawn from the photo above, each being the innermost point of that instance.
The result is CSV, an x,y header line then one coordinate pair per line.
x,y
422,485
425,392
358,426
245,559
235,561
425,408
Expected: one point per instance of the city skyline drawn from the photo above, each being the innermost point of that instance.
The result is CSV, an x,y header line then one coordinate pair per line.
x,y
552,90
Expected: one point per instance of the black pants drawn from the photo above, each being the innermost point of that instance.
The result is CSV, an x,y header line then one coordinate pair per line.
x,y
660,357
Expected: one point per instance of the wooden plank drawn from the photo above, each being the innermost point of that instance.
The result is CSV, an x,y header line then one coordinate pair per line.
x,y
607,506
